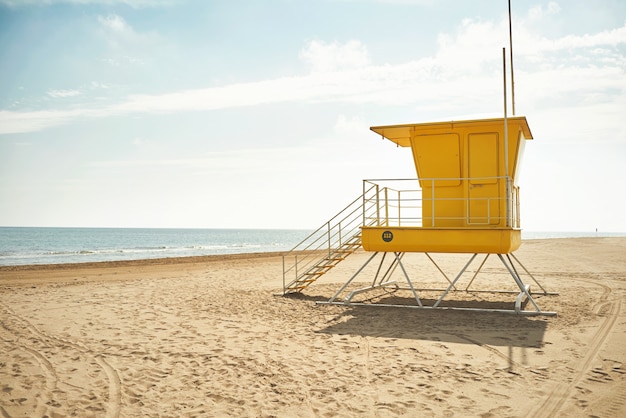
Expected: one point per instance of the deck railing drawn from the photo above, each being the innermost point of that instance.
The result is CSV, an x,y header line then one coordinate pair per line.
x,y
401,202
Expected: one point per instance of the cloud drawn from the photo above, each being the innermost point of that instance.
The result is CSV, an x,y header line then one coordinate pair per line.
x,y
607,38
538,12
333,56
122,36
16,122
345,126
466,65
372,84
95,85
114,23
241,161
126,46
474,44
63,93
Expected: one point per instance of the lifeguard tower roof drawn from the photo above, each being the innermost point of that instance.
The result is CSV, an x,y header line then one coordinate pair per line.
x,y
401,134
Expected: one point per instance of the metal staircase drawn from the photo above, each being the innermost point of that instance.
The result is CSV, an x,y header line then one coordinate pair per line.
x,y
330,244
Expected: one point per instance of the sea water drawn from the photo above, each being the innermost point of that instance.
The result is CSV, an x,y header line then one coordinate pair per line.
x,y
25,246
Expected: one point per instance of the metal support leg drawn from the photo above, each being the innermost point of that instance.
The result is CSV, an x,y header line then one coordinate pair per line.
x,y
531,276
477,271
518,280
392,267
438,268
380,266
384,280
406,276
352,278
458,276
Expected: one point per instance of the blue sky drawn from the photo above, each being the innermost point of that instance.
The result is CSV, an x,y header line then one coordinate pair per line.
x,y
256,114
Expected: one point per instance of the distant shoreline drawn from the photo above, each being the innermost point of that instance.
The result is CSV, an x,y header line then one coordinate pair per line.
x,y
205,258
142,262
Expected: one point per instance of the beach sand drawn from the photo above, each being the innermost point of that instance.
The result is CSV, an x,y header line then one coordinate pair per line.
x,y
209,337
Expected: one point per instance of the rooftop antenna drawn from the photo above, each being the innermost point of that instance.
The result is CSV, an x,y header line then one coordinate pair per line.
x,y
511,58
507,177
506,144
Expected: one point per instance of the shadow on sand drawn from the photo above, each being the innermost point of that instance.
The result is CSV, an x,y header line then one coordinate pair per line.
x,y
468,327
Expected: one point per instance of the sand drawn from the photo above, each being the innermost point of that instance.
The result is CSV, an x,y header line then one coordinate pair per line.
x,y
208,337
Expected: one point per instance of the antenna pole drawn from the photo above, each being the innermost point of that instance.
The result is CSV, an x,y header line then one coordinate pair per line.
x,y
511,52
506,145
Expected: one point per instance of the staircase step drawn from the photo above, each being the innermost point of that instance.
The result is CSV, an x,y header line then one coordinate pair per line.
x,y
339,247
301,281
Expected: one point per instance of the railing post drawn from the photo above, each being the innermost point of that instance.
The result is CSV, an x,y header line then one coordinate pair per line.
x,y
364,199
420,204
386,206
517,211
399,208
296,266
339,232
328,239
432,202
365,202
377,205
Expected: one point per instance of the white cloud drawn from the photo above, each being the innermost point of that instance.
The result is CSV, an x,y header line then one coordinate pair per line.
x,y
125,41
63,93
115,23
96,85
612,38
467,65
127,47
350,125
538,11
240,161
475,44
140,142
333,56
16,122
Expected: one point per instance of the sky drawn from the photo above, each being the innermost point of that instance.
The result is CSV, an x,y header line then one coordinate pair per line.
x,y
256,114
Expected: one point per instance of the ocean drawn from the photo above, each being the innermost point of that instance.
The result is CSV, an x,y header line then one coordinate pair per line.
x,y
25,245
31,245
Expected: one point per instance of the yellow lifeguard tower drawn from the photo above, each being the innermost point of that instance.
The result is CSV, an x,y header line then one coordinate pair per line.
x,y
468,174
465,200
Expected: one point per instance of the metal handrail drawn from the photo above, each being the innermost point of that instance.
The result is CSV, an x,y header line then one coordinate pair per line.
x,y
329,238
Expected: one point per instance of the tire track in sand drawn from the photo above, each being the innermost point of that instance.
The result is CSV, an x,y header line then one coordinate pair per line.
x,y
11,323
115,387
553,404
21,328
